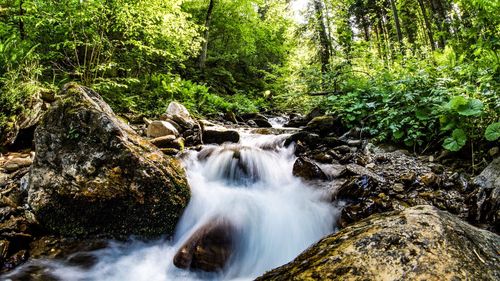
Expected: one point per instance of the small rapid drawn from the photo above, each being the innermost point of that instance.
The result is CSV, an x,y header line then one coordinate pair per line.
x,y
250,185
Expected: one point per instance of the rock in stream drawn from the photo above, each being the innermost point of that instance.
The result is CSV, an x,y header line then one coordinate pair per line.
x,y
419,243
94,176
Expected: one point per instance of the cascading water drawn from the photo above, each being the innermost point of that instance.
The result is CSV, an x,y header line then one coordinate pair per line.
x,y
249,184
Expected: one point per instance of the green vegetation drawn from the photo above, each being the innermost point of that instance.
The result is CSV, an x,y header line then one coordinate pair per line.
x,y
421,73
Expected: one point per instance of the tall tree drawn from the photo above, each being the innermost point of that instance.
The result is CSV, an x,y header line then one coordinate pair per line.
x,y
204,48
324,45
428,25
397,23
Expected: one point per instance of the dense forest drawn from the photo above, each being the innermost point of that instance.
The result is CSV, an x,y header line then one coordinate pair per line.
x,y
419,73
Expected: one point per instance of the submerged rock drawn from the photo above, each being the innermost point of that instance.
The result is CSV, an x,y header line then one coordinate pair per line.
x,y
209,248
419,243
94,176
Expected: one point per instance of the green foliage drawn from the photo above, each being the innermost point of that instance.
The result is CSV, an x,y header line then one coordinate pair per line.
x,y
492,132
456,141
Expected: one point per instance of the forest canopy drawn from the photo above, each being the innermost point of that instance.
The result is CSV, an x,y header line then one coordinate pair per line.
x,y
421,73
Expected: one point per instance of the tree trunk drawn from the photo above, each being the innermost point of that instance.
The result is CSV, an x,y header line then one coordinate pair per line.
x,y
324,49
439,15
428,25
204,48
398,26
22,33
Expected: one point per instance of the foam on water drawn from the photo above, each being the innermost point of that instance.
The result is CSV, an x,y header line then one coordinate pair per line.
x,y
250,184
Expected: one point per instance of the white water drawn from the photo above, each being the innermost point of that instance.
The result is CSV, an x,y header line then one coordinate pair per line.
x,y
276,213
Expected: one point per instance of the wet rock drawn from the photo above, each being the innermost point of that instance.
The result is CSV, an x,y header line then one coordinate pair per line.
x,y
94,176
485,199
303,137
307,170
164,141
261,123
324,125
180,115
252,124
419,243
398,187
170,151
362,171
429,179
296,121
193,136
408,177
161,128
16,259
231,117
209,248
220,135
4,250
323,157
316,112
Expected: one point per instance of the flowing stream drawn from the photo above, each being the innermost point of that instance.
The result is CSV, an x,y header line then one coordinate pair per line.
x,y
251,185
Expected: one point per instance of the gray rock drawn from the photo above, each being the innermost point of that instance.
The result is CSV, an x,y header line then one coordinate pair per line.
x,y
418,243
181,115
94,176
486,196
161,128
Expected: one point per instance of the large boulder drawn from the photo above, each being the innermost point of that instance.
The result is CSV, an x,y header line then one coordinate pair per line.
x,y
209,248
94,176
419,243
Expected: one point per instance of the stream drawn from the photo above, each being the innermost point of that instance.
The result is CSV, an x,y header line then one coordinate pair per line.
x,y
249,184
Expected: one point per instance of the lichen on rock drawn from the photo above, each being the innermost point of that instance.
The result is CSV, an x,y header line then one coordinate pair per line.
x,y
418,243
94,176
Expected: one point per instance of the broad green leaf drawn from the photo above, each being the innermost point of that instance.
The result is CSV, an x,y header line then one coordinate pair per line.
x,y
473,107
398,134
423,114
457,102
456,141
492,132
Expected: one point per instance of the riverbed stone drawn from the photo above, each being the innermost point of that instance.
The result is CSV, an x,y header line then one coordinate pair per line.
x,y
324,125
418,243
308,170
209,248
160,128
94,176
220,135
179,113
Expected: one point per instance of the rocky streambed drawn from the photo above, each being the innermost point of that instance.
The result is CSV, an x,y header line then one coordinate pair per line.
x,y
94,178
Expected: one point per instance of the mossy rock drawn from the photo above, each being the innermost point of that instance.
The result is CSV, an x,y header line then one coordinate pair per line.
x,y
418,243
94,176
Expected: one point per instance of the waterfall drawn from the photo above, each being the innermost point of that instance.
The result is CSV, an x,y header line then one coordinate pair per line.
x,y
249,184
